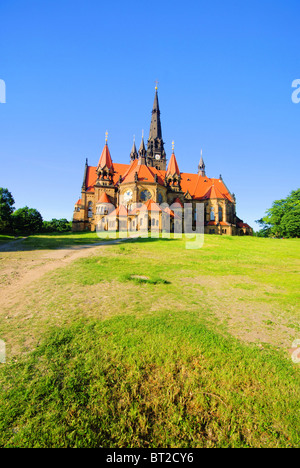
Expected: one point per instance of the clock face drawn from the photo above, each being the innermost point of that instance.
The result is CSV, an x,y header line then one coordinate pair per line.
x,y
157,157
127,196
145,195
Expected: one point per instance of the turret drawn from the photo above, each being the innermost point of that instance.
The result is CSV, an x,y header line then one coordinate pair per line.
x,y
134,154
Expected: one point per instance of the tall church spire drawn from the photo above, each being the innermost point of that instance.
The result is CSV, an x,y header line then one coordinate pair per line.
x,y
156,155
155,127
201,167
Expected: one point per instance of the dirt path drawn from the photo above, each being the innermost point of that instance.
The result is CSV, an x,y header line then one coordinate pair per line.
x,y
27,270
11,246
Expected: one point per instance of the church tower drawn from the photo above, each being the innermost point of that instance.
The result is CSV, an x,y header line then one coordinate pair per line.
x,y
156,156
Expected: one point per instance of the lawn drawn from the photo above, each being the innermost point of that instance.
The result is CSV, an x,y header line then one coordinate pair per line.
x,y
148,344
6,239
55,241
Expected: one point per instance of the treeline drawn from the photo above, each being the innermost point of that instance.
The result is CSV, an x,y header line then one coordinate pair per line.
x,y
283,218
26,221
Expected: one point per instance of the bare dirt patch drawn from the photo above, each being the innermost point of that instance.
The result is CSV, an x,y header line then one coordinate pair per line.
x,y
237,303
20,269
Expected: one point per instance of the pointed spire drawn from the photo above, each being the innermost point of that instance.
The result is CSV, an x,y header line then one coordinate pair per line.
x,y
85,174
142,151
105,158
201,167
155,127
134,154
173,166
156,155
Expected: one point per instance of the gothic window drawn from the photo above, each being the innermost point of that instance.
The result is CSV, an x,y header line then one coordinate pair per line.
x,y
220,214
145,195
212,214
160,198
90,209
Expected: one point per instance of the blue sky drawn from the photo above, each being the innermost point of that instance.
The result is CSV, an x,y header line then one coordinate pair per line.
x,y
75,69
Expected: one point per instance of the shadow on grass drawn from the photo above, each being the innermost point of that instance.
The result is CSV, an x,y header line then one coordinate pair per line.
x,y
69,241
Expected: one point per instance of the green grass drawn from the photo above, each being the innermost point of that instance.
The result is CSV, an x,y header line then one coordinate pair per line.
x,y
147,344
6,239
159,381
55,241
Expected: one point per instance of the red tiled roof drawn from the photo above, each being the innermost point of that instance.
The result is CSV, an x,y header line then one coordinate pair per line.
x,y
120,211
144,173
103,199
79,202
150,205
105,158
200,188
177,202
171,213
243,225
173,166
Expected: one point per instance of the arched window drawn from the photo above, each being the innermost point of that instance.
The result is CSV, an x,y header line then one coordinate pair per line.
x,y
90,209
212,214
220,214
145,195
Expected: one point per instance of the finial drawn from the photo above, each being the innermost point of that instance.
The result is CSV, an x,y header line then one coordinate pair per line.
x,y
173,146
156,83
142,134
106,137
133,138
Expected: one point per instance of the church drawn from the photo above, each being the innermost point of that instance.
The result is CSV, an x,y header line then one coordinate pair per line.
x,y
149,193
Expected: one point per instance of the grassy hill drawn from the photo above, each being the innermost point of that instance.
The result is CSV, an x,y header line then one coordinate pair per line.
x,y
148,344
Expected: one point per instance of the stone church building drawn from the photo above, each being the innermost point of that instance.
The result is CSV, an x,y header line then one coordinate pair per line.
x,y
148,193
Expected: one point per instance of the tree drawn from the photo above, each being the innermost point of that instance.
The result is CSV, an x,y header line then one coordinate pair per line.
x,y
27,221
290,222
265,230
6,209
283,218
57,225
